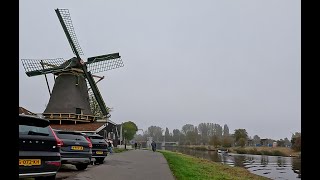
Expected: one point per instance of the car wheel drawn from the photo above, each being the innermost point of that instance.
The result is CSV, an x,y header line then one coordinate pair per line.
x,y
100,160
81,166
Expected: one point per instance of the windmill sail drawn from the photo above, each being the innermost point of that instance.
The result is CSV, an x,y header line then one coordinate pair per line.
x,y
103,63
34,67
97,95
95,108
65,20
70,99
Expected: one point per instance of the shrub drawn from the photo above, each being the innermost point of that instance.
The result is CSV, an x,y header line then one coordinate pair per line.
x,y
264,152
277,153
253,151
201,148
241,151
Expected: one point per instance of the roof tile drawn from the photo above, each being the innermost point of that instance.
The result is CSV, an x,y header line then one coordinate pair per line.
x,y
78,127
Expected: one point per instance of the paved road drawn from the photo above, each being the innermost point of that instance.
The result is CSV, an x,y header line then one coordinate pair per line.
x,y
129,165
68,170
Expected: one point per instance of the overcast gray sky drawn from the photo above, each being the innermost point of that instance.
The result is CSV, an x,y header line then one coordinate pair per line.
x,y
226,62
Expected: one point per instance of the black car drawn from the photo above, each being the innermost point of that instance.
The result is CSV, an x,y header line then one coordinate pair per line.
x,y
39,148
99,147
76,149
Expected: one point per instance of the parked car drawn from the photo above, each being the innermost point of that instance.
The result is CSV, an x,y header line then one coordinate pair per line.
x,y
76,149
99,147
39,148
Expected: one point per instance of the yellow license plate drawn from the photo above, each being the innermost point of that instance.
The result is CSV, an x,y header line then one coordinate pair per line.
x,y
99,152
77,148
29,162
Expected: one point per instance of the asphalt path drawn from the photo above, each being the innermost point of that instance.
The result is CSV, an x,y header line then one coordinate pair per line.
x,y
130,165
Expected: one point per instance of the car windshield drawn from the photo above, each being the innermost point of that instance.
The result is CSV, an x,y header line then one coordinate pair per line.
x,y
97,139
35,130
70,136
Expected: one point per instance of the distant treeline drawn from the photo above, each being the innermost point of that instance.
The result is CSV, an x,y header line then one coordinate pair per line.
x,y
215,135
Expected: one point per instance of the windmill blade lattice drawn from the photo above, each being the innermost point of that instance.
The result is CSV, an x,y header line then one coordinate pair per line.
x,y
95,109
68,22
105,63
38,65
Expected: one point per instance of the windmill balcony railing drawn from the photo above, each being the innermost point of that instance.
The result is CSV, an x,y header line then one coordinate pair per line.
x,y
70,117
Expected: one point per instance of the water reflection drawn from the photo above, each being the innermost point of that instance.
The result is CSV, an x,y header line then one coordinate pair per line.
x,y
274,167
239,161
264,160
296,166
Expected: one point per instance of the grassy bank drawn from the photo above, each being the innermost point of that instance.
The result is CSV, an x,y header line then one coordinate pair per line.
x,y
270,151
188,167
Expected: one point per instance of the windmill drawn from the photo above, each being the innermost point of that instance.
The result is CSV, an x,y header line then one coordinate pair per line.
x,y
74,83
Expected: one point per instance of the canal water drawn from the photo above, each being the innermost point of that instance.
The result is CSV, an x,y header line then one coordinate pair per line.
x,y
273,167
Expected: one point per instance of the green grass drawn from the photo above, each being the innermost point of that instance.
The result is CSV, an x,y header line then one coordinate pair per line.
x,y
117,150
187,167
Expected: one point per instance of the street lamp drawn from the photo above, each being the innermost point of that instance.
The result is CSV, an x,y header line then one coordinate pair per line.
x,y
125,143
121,134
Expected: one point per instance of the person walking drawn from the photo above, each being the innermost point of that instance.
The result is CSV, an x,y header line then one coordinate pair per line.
x,y
110,145
154,146
135,145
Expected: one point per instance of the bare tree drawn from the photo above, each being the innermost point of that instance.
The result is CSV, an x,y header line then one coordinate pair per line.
x,y
226,130
176,135
204,132
196,133
155,132
167,135
186,128
215,141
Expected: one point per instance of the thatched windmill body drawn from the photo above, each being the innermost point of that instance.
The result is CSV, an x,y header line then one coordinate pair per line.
x,y
75,93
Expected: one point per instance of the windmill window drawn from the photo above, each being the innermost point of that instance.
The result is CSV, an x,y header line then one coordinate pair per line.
x,y
79,111
77,80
